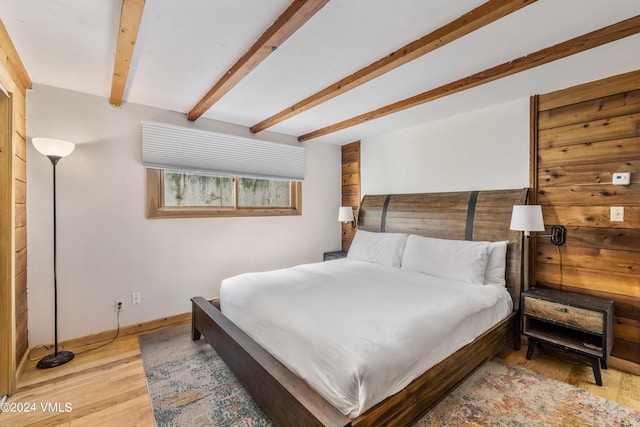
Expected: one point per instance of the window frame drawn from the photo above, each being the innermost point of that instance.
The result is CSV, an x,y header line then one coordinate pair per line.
x,y
156,209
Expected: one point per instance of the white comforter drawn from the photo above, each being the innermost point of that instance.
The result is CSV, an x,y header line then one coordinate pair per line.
x,y
359,332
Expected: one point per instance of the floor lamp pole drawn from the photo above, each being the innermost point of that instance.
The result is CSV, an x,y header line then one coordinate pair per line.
x,y
58,357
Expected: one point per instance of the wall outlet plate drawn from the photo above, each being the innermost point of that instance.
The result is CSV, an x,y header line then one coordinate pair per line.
x,y
136,298
115,305
617,213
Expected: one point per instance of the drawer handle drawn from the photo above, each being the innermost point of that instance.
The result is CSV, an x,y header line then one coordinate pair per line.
x,y
561,309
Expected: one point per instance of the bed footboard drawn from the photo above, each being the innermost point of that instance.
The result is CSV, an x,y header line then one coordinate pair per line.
x,y
287,399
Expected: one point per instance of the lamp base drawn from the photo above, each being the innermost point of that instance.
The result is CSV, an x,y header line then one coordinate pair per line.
x,y
53,360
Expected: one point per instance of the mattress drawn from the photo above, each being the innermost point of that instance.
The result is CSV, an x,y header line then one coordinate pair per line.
x,y
358,332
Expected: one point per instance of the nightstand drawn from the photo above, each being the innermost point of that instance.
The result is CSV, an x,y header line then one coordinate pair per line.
x,y
578,323
328,256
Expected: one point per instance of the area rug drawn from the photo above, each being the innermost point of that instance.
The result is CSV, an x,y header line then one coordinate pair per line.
x,y
190,385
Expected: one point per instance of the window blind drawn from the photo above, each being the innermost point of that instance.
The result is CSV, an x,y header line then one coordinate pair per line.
x,y
173,147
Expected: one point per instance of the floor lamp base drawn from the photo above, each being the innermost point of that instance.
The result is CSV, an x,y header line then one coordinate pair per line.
x,y
53,360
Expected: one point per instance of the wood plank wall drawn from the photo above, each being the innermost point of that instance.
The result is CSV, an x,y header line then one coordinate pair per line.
x,y
583,135
350,187
13,228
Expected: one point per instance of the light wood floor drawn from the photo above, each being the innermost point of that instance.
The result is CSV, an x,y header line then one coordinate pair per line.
x,y
107,387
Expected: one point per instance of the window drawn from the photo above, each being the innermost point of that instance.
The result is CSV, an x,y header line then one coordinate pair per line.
x,y
177,194
199,173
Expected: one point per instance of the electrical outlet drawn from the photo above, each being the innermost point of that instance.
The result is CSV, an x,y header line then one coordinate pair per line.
x,y
136,298
118,304
617,213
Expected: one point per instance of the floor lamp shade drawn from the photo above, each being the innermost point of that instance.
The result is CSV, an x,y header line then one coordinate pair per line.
x,y
54,149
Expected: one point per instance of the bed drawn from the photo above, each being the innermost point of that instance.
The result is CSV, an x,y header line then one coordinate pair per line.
x,y
478,216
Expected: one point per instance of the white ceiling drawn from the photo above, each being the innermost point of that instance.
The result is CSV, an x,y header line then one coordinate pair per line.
x,y
184,46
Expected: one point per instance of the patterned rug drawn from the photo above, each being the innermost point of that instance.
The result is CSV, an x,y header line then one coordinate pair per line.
x,y
190,385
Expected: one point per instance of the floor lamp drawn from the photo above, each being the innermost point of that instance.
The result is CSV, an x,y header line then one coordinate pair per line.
x,y
54,149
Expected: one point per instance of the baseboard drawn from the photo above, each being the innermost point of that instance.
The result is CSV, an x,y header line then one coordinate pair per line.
x,y
100,337
623,365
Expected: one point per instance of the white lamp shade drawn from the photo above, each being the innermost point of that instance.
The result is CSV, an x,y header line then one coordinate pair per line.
x,y
53,147
345,214
527,218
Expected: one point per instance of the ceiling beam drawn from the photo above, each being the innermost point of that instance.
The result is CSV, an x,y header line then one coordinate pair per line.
x,y
579,44
483,15
296,15
130,17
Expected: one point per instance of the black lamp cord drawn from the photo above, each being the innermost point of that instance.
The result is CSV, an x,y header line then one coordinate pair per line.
x,y
46,347
108,342
560,261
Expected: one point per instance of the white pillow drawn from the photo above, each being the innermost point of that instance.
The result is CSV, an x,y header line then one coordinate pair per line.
x,y
460,260
496,266
379,248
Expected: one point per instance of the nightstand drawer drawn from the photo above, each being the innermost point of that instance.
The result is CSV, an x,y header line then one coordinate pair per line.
x,y
565,314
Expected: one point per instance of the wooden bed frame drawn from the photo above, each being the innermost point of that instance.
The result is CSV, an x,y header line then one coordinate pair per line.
x,y
289,401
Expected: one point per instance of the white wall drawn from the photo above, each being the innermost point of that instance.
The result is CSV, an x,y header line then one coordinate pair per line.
x,y
481,150
107,249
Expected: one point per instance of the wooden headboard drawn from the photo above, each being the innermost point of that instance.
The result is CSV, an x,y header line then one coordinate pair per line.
x,y
466,215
